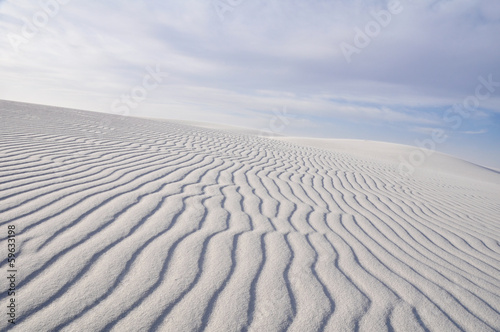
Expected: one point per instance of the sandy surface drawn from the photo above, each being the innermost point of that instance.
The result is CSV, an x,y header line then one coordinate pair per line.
x,y
127,224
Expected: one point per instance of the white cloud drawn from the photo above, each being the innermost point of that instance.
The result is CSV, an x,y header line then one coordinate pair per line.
x,y
475,132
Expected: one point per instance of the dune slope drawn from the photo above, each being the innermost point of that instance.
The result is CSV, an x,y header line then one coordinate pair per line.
x,y
128,224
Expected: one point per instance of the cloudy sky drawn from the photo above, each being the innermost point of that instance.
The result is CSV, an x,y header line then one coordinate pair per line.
x,y
364,69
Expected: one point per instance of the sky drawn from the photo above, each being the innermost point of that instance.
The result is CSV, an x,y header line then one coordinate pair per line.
x,y
404,71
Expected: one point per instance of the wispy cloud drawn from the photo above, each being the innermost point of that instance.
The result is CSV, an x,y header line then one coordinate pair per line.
x,y
475,132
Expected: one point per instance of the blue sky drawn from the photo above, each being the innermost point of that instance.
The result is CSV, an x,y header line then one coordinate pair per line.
x,y
244,62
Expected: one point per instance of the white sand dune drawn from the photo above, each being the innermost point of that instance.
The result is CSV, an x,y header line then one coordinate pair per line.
x,y
128,224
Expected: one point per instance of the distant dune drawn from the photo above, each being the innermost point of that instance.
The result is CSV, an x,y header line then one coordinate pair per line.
x,y
131,224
